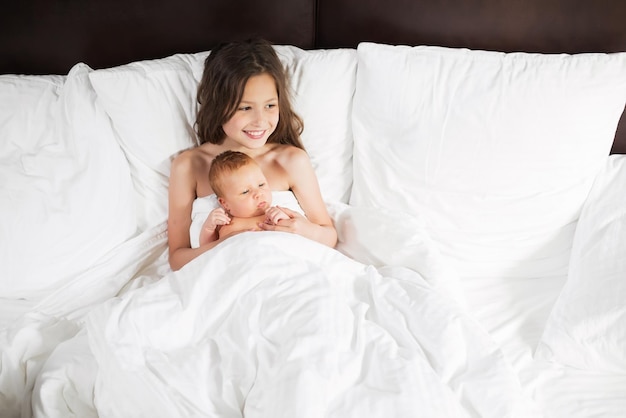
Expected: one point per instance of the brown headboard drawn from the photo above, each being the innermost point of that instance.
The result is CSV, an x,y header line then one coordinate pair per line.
x,y
548,26
49,36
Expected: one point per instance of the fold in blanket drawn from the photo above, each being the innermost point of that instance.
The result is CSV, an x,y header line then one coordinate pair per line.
x,y
271,324
27,342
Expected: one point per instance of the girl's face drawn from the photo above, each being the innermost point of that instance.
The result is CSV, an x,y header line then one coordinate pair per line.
x,y
247,192
257,114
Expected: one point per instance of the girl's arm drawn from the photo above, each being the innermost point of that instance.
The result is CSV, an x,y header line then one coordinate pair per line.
x,y
317,225
181,194
275,214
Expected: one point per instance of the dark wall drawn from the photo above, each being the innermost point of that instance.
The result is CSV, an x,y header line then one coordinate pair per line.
x,y
50,36
547,26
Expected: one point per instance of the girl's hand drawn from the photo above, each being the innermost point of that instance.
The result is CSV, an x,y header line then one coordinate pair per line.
x,y
275,214
294,223
216,218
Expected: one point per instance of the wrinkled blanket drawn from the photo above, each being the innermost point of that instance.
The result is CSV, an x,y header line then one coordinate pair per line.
x,y
270,324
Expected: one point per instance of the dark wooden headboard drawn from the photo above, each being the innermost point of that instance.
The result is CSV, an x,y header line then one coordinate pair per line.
x,y
49,36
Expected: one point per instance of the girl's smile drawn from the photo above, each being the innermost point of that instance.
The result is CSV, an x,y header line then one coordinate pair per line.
x,y
257,114
255,134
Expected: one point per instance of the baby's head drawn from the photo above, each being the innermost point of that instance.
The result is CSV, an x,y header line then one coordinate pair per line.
x,y
239,184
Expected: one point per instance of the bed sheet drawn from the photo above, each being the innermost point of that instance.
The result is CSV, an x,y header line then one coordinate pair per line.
x,y
510,311
11,309
514,311
293,328
562,391
36,331
77,378
65,385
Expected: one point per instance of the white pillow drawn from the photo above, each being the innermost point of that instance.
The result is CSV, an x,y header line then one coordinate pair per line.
x,y
323,83
65,186
496,152
587,327
152,105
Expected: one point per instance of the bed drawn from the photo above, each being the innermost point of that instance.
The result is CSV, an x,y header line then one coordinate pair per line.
x,y
471,156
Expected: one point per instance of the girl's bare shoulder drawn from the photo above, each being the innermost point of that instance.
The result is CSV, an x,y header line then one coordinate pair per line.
x,y
194,159
289,155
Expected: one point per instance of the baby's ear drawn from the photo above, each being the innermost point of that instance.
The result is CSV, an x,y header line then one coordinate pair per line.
x,y
222,202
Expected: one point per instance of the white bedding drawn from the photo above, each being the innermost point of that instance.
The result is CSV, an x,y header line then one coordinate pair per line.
x,y
514,313
562,391
491,158
38,329
273,324
13,309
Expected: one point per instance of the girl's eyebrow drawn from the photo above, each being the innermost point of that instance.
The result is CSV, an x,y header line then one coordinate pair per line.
x,y
266,101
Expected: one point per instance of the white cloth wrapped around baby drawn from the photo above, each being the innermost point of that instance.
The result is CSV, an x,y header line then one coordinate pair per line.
x,y
202,206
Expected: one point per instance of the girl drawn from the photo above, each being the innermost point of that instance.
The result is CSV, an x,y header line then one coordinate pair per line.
x,y
244,106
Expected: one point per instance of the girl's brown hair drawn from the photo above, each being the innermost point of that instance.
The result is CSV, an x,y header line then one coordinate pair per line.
x,y
226,72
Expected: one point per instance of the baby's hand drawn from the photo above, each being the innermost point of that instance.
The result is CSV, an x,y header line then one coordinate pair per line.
x,y
274,214
217,217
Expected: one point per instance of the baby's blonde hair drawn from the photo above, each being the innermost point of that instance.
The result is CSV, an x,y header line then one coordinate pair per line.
x,y
224,164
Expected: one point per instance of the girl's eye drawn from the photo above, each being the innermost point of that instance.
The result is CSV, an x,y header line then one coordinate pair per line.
x,y
244,108
271,106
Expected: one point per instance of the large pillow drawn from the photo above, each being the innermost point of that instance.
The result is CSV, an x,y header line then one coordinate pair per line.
x,y
65,186
323,83
495,151
152,105
587,327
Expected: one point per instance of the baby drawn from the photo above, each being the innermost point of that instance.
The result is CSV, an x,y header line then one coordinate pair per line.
x,y
244,195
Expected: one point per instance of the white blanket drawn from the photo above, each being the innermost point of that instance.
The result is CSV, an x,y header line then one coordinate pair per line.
x,y
271,324
29,339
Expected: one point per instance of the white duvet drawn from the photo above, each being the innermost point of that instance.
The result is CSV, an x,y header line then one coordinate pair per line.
x,y
270,324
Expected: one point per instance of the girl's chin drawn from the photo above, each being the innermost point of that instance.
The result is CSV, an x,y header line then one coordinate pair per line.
x,y
255,143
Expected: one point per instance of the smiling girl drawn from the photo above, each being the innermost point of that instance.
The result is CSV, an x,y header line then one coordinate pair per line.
x,y
244,106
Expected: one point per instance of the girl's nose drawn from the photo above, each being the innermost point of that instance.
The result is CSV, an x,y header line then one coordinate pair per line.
x,y
258,117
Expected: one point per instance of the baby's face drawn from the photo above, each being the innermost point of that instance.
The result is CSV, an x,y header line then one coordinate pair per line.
x,y
247,192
